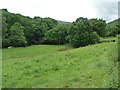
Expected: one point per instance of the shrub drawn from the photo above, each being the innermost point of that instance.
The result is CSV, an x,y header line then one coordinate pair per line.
x,y
81,33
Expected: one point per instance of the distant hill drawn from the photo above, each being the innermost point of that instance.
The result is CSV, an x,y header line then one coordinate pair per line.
x,y
63,22
113,23
112,27
110,24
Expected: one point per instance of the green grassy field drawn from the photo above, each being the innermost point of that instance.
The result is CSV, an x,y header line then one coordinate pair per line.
x,y
44,66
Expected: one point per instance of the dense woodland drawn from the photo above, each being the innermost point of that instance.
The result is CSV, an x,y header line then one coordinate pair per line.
x,y
19,31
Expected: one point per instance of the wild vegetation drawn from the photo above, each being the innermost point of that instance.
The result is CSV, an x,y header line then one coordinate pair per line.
x,y
30,31
47,53
48,66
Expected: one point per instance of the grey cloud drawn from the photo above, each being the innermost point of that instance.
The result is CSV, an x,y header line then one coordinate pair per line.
x,y
107,10
119,9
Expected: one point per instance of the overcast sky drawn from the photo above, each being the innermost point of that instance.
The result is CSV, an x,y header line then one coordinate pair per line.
x,y
65,10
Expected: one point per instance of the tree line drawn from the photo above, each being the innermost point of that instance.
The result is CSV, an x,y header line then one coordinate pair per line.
x,y
19,31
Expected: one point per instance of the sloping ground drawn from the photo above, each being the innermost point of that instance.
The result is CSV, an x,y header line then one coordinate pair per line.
x,y
113,23
55,66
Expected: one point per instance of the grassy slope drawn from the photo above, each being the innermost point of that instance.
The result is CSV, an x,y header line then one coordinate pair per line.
x,y
48,66
113,23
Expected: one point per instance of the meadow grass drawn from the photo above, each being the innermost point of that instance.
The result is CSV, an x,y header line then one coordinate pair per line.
x,y
108,39
52,66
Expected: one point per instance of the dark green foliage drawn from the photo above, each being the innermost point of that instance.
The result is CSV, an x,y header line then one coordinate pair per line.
x,y
34,28
4,27
39,30
81,33
16,35
5,39
27,23
112,31
11,18
94,38
113,28
40,27
57,35
51,23
98,25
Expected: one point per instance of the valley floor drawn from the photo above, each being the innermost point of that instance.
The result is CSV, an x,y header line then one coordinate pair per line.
x,y
53,66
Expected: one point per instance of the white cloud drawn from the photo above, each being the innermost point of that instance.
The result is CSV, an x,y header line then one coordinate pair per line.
x,y
66,10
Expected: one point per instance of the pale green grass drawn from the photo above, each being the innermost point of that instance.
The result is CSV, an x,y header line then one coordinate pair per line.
x,y
108,39
51,66
31,51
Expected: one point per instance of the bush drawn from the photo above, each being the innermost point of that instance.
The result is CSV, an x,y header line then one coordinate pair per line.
x,y
81,33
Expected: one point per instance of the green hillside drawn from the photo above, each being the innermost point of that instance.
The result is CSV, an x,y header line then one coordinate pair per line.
x,y
63,22
113,28
113,23
61,66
